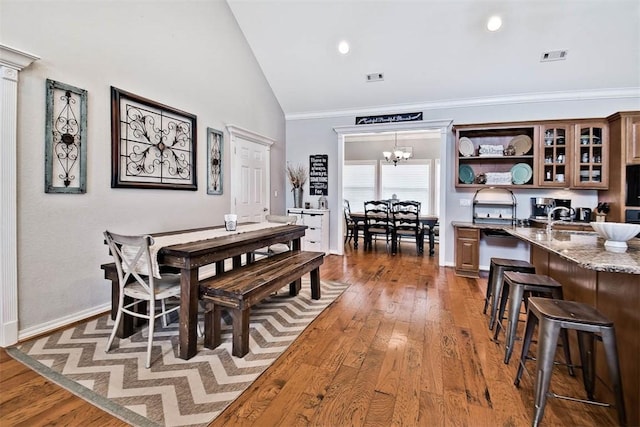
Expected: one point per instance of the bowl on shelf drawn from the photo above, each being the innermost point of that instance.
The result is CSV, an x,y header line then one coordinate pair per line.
x,y
616,234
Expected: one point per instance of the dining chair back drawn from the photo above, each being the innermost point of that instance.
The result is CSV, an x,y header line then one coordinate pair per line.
x,y
406,222
377,221
137,284
350,223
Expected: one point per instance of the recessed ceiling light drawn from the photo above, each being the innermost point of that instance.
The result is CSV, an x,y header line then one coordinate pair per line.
x,y
343,47
494,23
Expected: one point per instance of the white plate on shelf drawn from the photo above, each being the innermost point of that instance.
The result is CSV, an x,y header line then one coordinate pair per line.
x,y
521,173
522,144
465,146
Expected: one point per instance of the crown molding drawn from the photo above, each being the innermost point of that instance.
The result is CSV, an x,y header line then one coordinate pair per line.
x,y
633,92
249,135
14,58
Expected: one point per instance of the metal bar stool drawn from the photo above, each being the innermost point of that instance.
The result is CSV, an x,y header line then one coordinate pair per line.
x,y
554,315
494,285
518,286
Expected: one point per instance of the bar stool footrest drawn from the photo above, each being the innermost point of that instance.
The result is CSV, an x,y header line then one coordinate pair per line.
x,y
577,399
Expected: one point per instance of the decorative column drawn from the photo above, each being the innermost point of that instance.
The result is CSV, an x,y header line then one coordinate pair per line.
x,y
11,62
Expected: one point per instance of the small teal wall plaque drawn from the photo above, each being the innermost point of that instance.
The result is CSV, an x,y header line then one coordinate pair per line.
x,y
65,139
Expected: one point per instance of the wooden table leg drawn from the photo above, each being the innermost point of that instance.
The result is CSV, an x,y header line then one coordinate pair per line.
x,y
240,346
315,284
188,312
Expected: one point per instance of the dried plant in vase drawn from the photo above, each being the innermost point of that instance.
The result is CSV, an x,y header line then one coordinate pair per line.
x,y
297,175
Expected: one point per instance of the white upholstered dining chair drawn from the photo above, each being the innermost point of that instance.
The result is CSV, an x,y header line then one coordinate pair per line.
x,y
133,263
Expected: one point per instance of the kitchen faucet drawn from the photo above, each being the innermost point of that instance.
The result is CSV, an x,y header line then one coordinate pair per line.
x,y
550,214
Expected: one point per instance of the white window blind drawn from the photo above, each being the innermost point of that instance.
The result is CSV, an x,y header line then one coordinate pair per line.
x,y
359,184
408,181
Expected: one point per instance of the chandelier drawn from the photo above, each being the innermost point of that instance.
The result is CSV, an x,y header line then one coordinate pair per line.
x,y
398,153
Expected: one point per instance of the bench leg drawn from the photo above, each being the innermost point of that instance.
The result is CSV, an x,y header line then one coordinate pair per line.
x,y
237,261
219,267
240,332
315,283
212,326
294,287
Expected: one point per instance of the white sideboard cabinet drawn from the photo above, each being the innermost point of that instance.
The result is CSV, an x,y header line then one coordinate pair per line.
x,y
317,235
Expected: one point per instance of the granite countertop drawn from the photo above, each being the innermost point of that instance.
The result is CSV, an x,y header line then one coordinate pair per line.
x,y
544,222
585,248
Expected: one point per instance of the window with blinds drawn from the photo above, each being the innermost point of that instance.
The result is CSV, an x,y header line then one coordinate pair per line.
x,y
359,183
411,180
408,181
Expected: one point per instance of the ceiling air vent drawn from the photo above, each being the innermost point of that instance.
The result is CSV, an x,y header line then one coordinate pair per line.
x,y
375,77
556,55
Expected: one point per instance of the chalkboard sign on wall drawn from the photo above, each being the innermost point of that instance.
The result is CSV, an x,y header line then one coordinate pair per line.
x,y
318,175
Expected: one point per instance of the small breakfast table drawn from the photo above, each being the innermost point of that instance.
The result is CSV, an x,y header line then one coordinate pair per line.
x,y
428,220
188,257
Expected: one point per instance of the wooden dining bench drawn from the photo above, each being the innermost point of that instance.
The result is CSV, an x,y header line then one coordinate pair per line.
x,y
239,289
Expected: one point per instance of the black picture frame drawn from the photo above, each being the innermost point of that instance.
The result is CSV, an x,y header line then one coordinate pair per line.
x,y
153,146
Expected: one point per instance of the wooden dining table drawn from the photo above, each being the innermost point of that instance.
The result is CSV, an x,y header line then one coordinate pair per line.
x,y
427,220
187,258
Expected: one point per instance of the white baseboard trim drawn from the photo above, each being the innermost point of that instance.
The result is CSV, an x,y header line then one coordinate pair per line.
x,y
43,328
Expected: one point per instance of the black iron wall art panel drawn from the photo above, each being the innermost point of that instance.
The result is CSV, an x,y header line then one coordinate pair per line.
x,y
214,161
66,139
152,145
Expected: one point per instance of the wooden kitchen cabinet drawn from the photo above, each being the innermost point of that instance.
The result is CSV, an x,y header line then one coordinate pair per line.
x,y
549,154
632,136
467,252
573,155
624,149
554,151
475,168
590,155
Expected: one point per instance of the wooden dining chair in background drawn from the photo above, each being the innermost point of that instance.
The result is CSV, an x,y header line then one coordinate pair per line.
x,y
377,221
136,281
351,224
406,223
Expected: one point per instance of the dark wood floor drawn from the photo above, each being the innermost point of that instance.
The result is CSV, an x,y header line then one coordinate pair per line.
x,y
406,345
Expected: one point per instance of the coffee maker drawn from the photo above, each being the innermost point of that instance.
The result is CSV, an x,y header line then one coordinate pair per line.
x,y
563,214
540,207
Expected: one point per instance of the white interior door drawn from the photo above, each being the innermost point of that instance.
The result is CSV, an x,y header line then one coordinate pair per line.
x,y
250,187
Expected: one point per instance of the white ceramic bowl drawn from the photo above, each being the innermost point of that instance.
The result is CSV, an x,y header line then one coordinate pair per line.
x,y
616,234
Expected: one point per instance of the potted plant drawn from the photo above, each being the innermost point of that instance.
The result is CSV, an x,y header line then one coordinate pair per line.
x,y
297,177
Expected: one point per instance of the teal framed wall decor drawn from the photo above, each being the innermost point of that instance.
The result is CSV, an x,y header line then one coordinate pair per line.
x,y
65,139
214,161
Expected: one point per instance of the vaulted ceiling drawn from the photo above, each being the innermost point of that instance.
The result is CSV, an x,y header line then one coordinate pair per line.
x,y
438,51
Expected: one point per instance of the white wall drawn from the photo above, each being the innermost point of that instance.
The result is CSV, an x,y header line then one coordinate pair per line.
x,y
190,55
316,136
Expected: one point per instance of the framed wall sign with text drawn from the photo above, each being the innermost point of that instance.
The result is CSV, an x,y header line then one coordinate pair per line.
x,y
318,175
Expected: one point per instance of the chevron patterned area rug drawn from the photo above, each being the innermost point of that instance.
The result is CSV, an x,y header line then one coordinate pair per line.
x,y
174,392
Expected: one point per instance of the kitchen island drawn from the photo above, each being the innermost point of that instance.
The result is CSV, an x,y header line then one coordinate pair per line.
x,y
606,280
